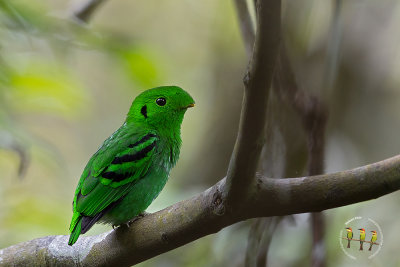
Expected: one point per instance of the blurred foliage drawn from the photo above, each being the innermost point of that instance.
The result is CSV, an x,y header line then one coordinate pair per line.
x,y
41,88
66,86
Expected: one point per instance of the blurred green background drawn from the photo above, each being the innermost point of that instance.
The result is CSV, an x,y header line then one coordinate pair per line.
x,y
65,87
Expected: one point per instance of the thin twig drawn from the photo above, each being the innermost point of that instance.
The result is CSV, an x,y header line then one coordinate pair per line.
x,y
365,241
86,10
9,142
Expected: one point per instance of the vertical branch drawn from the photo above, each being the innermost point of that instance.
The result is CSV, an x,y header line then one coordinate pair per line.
x,y
316,138
315,124
249,142
261,231
314,117
284,85
318,251
316,135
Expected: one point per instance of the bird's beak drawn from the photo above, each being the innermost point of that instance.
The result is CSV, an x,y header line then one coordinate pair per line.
x,y
188,106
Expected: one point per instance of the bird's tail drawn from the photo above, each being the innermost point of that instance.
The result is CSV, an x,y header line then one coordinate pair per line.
x,y
370,246
348,243
361,245
75,228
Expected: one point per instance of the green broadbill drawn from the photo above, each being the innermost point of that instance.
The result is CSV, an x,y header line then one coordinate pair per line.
x,y
132,166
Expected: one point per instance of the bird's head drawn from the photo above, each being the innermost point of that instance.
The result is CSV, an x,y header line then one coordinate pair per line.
x,y
349,229
362,230
161,107
373,232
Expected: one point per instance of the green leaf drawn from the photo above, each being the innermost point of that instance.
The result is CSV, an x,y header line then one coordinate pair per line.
x,y
44,88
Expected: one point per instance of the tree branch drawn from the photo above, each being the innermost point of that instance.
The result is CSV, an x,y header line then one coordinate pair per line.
x,y
247,150
203,214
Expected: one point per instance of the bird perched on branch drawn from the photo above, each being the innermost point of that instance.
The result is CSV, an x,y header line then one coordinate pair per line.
x,y
132,166
349,236
374,237
362,237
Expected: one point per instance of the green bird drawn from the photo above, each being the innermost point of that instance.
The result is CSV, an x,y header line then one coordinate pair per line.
x,y
362,237
132,166
374,237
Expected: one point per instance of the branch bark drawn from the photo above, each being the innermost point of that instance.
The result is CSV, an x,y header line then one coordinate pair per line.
x,y
201,215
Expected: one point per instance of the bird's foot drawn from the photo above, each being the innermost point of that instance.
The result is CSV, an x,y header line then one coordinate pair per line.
x,y
141,215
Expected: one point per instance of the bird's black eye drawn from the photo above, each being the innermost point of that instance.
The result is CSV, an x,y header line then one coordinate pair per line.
x,y
161,101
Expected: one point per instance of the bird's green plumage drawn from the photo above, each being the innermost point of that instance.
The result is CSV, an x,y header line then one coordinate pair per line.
x,y
132,166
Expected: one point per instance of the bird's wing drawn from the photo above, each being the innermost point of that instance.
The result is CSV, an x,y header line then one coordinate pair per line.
x,y
112,170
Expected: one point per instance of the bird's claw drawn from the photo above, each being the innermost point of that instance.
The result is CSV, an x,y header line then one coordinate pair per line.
x,y
129,223
141,215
